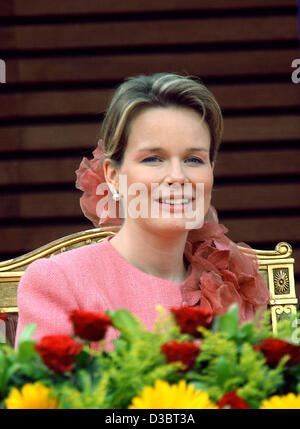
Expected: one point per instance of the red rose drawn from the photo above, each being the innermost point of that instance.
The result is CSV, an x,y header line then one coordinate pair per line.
x,y
274,349
185,352
58,352
234,401
189,318
3,317
89,325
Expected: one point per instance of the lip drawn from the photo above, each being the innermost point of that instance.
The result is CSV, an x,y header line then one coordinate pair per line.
x,y
175,197
176,207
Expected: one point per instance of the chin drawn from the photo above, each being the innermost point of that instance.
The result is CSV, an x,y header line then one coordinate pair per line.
x,y
172,225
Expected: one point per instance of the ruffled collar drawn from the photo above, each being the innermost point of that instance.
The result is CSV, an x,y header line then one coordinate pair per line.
x,y
221,274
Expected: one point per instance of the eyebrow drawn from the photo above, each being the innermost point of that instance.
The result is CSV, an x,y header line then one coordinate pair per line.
x,y
155,149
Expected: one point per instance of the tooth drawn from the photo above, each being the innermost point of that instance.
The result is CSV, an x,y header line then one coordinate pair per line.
x,y
182,201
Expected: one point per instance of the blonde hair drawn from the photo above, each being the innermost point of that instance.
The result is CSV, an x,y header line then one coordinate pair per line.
x,y
158,90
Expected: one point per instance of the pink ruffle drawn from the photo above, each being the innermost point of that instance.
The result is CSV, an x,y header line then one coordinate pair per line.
x,y
89,176
220,273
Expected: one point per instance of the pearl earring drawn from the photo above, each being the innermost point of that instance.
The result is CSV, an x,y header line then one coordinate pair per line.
x,y
116,195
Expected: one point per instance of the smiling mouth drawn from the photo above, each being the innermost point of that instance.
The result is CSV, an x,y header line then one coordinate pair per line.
x,y
174,202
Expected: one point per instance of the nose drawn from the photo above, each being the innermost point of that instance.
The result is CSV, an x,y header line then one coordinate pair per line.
x,y
175,173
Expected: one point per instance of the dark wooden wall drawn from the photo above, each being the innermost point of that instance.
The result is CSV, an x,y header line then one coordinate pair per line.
x,y
64,59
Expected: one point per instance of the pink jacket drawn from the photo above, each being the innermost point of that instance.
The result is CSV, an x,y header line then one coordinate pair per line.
x,y
93,277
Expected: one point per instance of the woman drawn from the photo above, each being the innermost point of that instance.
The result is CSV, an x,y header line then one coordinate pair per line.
x,y
161,133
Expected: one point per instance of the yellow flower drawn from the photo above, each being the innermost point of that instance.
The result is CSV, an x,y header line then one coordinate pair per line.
x,y
31,396
286,402
164,395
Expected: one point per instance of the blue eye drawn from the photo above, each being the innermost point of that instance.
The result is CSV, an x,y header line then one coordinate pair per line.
x,y
195,160
151,159
192,159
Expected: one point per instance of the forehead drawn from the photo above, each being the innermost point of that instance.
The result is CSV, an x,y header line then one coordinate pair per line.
x,y
167,126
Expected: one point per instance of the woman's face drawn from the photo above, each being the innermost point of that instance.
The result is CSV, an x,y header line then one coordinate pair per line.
x,y
167,155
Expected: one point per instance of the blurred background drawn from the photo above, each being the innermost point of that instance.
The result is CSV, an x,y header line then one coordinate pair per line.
x,y
64,59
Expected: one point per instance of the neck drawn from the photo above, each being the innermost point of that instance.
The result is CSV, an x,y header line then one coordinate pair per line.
x,y
160,255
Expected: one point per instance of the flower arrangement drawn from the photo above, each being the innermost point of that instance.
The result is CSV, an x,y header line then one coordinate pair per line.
x,y
187,362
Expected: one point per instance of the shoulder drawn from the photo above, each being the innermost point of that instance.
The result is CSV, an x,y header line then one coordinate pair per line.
x,y
63,273
80,259
81,253
82,256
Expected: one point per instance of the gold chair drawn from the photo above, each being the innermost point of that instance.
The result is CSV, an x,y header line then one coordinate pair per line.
x,y
276,267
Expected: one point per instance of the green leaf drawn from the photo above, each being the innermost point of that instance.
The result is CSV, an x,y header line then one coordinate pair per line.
x,y
9,373
223,370
247,332
26,351
7,369
84,359
27,333
3,369
229,322
125,322
13,368
199,385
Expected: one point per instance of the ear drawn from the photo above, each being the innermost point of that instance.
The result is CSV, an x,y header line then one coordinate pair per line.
x,y
111,174
212,165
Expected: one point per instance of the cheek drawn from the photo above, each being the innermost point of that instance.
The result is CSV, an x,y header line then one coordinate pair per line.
x,y
207,178
133,179
130,174
209,183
